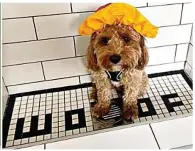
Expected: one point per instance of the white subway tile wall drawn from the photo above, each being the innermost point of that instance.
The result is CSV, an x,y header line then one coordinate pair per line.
x,y
164,67
80,47
189,61
181,52
189,57
38,51
171,35
59,25
16,30
160,18
168,53
154,3
42,48
64,68
5,96
85,79
84,7
43,85
13,10
25,73
187,8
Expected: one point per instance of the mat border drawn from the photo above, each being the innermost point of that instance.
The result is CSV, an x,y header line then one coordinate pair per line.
x,y
11,101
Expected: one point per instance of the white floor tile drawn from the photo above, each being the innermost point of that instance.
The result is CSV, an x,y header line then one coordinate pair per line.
x,y
159,18
59,25
186,15
15,30
64,68
164,68
139,137
36,147
171,35
23,73
157,53
10,10
82,43
181,52
173,133
38,51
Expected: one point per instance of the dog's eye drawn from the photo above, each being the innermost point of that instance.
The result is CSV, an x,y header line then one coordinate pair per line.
x,y
104,40
126,38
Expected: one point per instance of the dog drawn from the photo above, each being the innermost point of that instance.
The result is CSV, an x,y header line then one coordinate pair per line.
x,y
116,58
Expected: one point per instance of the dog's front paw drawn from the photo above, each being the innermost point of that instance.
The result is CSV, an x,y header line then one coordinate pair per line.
x,y
130,110
100,109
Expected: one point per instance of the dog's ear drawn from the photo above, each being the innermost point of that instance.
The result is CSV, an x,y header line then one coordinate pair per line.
x,y
91,58
143,60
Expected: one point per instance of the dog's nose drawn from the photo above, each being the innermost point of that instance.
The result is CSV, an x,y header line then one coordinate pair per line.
x,y
115,58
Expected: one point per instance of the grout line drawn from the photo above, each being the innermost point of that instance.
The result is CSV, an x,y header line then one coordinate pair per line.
x,y
19,42
147,5
154,136
38,113
165,63
168,4
191,34
80,79
175,52
187,54
26,112
189,64
69,13
166,45
42,61
43,71
176,25
35,28
189,45
5,85
185,64
181,147
181,13
74,46
45,80
71,7
40,39
44,146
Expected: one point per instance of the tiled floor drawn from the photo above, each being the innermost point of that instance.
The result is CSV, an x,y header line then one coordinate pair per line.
x,y
47,116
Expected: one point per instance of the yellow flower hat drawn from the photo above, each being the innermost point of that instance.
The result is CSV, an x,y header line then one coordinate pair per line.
x,y
121,13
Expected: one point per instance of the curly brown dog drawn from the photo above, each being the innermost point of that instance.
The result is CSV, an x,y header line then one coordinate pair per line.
x,y
116,58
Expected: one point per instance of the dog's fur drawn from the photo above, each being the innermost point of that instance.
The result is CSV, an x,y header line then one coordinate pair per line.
x,y
125,41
